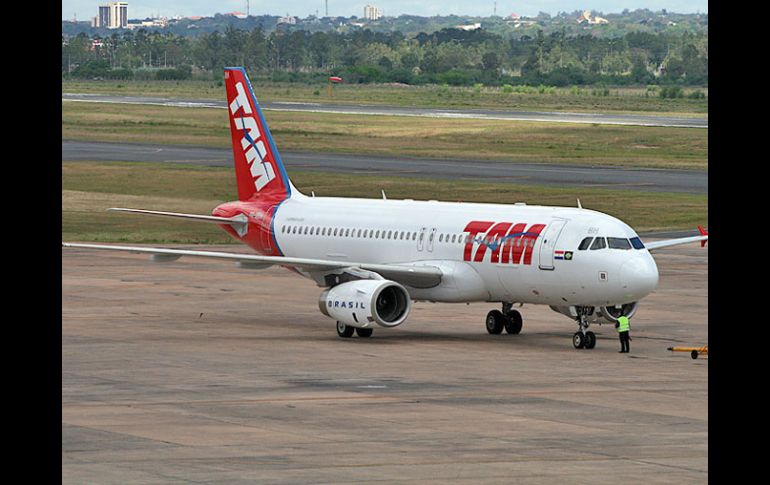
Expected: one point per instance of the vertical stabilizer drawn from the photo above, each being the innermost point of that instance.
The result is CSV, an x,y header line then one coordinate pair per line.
x,y
259,170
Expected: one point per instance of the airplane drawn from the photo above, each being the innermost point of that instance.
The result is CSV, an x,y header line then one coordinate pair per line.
x,y
373,257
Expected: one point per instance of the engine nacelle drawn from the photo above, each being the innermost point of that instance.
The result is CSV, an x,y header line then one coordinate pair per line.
x,y
362,303
612,313
605,314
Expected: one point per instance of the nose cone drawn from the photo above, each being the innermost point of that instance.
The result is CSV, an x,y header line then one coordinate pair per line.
x,y
639,276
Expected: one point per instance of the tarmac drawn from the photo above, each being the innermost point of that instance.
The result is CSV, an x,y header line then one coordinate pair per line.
x,y
196,371
556,175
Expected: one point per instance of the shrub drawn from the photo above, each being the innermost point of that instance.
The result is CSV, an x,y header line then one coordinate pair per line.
x,y
671,92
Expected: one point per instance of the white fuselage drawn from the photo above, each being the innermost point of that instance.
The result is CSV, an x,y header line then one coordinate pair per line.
x,y
502,259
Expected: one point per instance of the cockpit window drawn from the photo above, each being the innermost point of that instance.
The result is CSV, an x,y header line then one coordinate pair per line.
x,y
599,243
618,243
637,243
585,243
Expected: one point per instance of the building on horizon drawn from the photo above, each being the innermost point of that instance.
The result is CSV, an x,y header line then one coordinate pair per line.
x,y
288,19
371,12
113,15
586,17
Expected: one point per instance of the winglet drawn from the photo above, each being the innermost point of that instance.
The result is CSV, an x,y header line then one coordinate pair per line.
x,y
703,232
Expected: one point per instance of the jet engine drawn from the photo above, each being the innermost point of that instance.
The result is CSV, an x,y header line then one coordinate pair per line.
x,y
604,314
362,303
612,313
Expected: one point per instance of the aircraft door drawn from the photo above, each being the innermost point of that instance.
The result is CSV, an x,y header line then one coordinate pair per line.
x,y
548,245
430,239
421,239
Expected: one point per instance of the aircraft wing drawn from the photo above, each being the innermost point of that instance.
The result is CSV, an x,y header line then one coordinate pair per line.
x,y
703,238
411,275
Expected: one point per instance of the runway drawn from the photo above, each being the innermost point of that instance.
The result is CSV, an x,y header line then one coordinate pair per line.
x,y
650,180
194,371
484,114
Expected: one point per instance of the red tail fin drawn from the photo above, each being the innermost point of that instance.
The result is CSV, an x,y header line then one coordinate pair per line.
x,y
259,171
703,232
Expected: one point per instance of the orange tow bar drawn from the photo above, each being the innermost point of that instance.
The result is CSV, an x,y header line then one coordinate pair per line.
x,y
694,351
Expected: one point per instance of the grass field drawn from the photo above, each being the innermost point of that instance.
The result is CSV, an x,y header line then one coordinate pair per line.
x,y
620,100
566,143
91,187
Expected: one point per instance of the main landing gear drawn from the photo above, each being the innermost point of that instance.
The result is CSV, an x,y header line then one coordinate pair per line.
x,y
346,331
508,319
583,338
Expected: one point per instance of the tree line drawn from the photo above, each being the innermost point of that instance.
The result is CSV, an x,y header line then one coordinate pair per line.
x,y
448,56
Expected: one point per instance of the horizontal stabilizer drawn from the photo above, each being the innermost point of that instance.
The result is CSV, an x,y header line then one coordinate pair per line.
x,y
239,222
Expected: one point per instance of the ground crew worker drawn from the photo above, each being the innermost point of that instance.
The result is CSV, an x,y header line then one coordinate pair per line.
x,y
623,326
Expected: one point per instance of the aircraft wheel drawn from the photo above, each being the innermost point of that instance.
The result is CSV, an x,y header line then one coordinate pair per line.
x,y
495,322
513,322
364,332
578,340
345,331
590,340
694,354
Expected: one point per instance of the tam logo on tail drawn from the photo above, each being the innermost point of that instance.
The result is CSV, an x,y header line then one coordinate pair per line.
x,y
251,143
257,163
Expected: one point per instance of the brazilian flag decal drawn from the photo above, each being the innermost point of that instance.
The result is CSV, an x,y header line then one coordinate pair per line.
x,y
568,256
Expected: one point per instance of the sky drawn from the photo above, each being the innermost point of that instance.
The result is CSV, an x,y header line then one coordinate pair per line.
x,y
85,9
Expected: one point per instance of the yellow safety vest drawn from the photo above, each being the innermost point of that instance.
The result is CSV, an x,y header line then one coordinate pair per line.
x,y
624,324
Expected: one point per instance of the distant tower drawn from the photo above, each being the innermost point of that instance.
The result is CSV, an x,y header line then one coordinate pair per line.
x,y
327,7
247,8
495,9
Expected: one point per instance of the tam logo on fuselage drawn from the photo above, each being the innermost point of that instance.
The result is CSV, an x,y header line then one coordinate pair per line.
x,y
253,146
509,243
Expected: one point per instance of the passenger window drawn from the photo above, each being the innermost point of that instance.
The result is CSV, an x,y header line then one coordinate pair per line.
x,y
598,243
637,243
618,243
359,233
335,231
585,243
306,229
347,232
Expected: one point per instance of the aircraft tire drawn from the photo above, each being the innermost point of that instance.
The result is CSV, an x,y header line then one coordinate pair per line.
x,y
590,340
364,332
345,331
495,322
578,340
513,322
694,354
